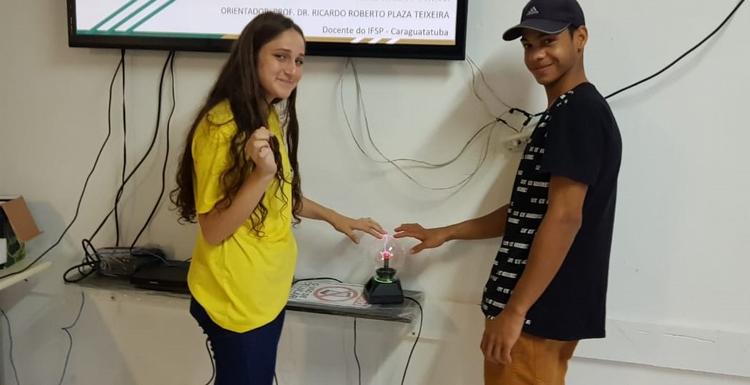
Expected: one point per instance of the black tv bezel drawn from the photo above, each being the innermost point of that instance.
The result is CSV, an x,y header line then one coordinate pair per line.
x,y
432,52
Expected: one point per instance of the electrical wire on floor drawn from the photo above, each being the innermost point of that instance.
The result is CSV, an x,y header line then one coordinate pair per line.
x,y
356,357
416,340
66,329
10,352
411,352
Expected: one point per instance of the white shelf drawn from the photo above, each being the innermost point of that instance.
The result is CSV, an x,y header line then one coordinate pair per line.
x,y
14,279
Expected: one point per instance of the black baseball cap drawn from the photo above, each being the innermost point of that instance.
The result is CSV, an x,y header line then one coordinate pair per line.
x,y
547,16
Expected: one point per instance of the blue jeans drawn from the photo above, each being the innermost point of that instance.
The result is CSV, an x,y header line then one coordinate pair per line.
x,y
241,358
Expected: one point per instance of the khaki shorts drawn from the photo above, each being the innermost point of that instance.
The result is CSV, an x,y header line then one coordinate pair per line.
x,y
535,361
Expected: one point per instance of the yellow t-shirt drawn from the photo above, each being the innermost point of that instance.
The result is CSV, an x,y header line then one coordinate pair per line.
x,y
244,282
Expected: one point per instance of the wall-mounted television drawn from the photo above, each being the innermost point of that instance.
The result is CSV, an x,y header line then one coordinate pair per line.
x,y
423,29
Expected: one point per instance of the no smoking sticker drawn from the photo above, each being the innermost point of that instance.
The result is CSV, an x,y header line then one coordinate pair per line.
x,y
335,293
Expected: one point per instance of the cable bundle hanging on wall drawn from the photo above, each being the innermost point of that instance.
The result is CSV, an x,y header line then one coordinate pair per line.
x,y
512,142
412,162
92,257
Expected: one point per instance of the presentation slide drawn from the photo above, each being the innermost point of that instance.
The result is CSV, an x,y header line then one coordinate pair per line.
x,y
423,22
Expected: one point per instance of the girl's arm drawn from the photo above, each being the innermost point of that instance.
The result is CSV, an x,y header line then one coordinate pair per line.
x,y
341,223
221,222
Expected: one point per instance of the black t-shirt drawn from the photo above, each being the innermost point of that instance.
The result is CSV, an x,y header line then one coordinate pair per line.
x,y
577,138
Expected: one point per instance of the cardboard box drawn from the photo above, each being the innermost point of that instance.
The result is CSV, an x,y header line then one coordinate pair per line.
x,y
17,227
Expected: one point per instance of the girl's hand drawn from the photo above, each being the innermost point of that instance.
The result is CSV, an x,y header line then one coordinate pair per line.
x,y
347,226
258,149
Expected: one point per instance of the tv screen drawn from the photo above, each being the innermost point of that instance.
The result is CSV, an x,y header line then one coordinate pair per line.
x,y
426,29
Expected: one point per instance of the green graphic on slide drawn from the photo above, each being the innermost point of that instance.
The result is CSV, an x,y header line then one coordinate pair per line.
x,y
150,15
125,20
141,18
154,34
115,13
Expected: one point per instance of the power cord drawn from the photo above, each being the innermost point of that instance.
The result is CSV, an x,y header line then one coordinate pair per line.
x,y
10,338
419,334
124,149
91,258
91,261
475,69
316,279
408,360
356,357
688,52
170,60
415,162
83,190
148,151
70,336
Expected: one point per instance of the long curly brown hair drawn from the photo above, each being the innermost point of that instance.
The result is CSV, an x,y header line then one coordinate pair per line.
x,y
238,83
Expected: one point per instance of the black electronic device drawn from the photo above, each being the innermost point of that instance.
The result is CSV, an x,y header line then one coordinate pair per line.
x,y
124,261
169,276
384,288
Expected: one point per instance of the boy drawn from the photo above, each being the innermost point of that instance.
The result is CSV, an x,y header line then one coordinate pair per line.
x,y
547,288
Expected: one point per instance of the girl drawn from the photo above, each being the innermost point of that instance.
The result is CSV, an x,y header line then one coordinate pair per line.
x,y
239,178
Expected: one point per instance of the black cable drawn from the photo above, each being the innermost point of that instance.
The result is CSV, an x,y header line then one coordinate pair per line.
x,y
124,150
670,65
726,20
10,338
170,60
356,357
275,379
92,259
83,190
316,279
70,337
213,365
419,333
474,67
145,155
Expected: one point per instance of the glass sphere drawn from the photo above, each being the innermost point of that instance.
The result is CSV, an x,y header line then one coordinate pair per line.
x,y
387,254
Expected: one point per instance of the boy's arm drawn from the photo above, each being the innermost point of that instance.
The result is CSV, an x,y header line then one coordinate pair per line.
x,y
489,226
553,240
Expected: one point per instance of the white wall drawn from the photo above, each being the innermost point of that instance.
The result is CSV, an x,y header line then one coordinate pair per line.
x,y
678,308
